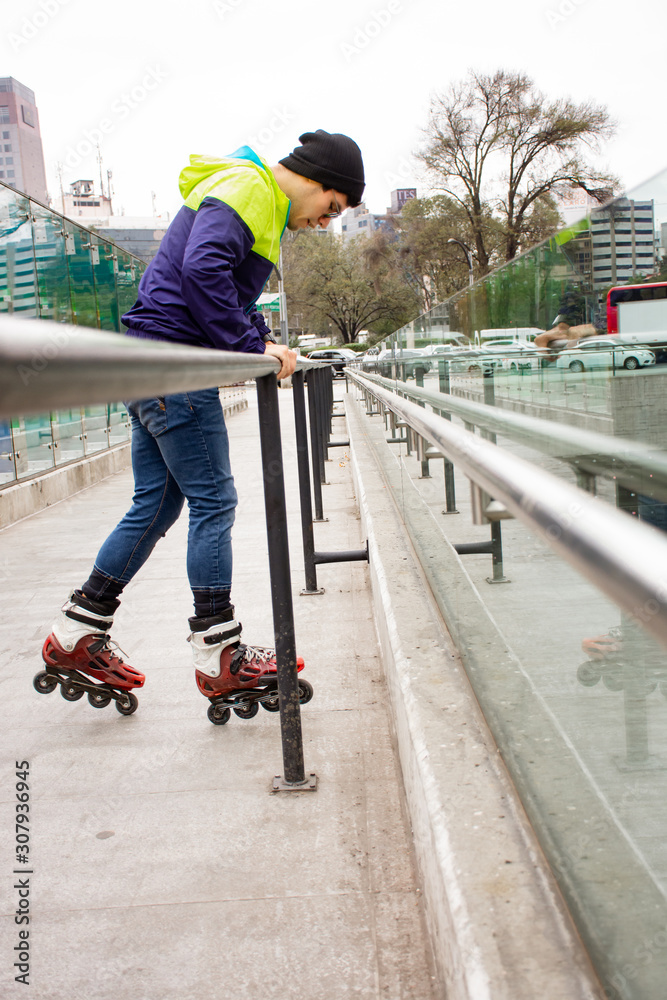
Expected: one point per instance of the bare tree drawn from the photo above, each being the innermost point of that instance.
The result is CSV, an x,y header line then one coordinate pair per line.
x,y
338,284
498,147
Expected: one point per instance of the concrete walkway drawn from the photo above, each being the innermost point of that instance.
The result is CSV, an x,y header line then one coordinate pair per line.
x,y
162,868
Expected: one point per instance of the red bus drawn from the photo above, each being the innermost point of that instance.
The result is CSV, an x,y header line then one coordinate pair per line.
x,y
643,308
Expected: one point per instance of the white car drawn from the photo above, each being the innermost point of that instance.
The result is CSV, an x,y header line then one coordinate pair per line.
x,y
519,356
604,352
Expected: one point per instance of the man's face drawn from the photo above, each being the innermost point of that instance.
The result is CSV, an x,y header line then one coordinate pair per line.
x,y
311,204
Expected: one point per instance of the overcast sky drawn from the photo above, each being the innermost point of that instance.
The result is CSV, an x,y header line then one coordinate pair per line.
x,y
157,81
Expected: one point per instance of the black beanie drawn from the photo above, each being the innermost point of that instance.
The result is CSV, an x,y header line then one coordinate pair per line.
x,y
332,159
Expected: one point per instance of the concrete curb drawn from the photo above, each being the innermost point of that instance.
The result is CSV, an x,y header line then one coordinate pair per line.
x,y
499,927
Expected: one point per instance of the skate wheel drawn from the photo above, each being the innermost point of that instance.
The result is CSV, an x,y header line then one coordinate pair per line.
x,y
98,699
71,692
44,683
218,714
305,692
588,674
613,681
127,704
271,704
247,711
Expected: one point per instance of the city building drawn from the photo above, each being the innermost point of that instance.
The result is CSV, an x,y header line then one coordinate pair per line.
x,y
398,199
357,222
622,241
139,235
81,202
21,154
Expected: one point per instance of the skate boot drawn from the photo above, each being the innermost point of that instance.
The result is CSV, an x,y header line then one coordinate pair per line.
x,y
233,675
80,657
605,660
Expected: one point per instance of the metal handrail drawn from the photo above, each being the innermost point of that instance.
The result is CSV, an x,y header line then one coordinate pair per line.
x,y
625,559
50,366
629,462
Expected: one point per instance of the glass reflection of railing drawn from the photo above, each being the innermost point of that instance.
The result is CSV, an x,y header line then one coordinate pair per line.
x,y
52,268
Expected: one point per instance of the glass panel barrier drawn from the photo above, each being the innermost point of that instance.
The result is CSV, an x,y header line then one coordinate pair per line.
x,y
7,466
17,257
575,691
82,283
51,268
95,430
67,428
104,268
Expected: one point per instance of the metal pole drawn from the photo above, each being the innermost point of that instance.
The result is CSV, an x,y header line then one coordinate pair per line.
x,y
304,484
281,584
450,488
314,445
423,445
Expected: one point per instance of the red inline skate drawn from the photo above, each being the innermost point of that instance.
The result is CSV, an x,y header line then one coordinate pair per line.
x,y
80,656
233,675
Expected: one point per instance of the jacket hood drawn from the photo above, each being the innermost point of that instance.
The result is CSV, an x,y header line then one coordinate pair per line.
x,y
202,167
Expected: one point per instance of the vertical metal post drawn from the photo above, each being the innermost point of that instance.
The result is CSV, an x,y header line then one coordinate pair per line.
x,y
497,555
304,484
322,424
423,445
450,489
489,398
281,584
315,444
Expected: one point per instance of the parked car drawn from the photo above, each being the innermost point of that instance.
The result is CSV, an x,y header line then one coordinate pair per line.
x,y
438,350
339,356
471,359
413,359
604,352
521,356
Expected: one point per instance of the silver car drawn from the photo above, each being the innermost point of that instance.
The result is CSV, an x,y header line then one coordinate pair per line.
x,y
604,352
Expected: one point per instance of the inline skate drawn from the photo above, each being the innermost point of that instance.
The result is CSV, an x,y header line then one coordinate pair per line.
x,y
233,675
80,656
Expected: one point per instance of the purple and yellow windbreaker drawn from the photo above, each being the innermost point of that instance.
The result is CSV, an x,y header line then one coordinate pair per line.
x,y
215,258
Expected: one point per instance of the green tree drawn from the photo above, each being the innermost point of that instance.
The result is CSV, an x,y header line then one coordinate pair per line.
x,y
336,283
498,147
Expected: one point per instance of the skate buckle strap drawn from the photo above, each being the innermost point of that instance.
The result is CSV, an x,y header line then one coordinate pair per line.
x,y
212,640
95,623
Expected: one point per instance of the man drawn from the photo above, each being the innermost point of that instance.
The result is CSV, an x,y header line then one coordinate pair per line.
x,y
200,289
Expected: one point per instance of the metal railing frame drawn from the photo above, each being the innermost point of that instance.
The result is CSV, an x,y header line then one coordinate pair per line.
x,y
47,366
632,571
589,453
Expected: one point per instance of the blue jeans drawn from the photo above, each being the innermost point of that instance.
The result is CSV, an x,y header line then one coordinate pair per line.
x,y
180,451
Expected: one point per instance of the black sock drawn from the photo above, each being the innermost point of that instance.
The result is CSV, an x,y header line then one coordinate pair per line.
x,y
211,602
